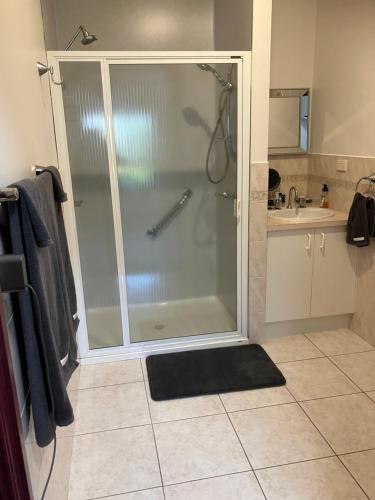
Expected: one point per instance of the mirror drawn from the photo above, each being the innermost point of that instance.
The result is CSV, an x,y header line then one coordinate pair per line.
x,y
289,121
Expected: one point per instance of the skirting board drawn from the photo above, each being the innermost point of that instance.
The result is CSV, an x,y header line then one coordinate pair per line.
x,y
298,326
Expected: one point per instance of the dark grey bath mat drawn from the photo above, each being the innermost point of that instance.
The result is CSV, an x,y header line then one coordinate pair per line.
x,y
210,371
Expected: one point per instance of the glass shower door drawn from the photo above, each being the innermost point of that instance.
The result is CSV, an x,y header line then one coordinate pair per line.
x,y
86,135
175,139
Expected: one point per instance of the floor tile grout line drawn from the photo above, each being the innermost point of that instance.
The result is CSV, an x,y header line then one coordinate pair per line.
x,y
321,434
232,474
291,394
211,414
238,438
350,353
342,372
352,476
126,493
106,430
153,431
295,360
243,448
277,363
295,400
325,457
328,397
316,347
328,356
333,455
210,477
106,385
342,354
351,380
328,444
362,390
354,452
188,418
366,394
259,407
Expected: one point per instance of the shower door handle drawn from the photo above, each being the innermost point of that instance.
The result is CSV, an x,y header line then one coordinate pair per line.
x,y
232,197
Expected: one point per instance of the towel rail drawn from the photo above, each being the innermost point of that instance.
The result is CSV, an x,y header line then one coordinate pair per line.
x,y
11,193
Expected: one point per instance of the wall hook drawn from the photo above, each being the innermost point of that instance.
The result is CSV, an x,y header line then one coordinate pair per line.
x,y
43,69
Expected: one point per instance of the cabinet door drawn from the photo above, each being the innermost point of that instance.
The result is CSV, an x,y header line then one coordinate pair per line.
x,y
334,274
289,274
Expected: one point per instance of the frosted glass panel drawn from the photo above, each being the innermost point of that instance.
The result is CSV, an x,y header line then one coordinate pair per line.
x,y
85,125
182,281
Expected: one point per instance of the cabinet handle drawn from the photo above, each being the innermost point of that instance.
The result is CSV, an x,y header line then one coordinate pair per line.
x,y
308,248
323,243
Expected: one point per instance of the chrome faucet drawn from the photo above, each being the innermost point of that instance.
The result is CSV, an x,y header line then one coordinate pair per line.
x,y
296,198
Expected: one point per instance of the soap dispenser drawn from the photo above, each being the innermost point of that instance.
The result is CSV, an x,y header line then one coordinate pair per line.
x,y
324,200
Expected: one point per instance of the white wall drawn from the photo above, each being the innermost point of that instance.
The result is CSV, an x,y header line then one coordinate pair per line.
x,y
260,80
293,43
329,46
344,79
26,138
26,128
135,24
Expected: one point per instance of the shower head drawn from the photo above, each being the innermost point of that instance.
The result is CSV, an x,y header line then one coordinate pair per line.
x,y
87,37
224,83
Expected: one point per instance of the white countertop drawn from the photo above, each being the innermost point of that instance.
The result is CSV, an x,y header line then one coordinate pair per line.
x,y
337,219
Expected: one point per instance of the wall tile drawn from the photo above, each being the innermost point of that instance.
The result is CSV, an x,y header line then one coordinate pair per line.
x,y
363,322
257,321
259,176
258,259
257,298
258,221
322,168
293,172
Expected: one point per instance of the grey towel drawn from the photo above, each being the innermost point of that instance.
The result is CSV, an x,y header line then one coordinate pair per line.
x,y
371,216
357,231
37,231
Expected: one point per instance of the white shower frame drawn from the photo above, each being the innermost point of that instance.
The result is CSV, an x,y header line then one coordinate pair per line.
x,y
132,350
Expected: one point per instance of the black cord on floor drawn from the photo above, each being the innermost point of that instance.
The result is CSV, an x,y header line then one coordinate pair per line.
x,y
51,469
39,326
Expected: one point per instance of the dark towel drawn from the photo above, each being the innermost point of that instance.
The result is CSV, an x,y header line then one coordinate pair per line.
x,y
37,231
371,216
357,231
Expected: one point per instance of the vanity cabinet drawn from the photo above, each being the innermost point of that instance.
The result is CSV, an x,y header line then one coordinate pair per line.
x,y
310,273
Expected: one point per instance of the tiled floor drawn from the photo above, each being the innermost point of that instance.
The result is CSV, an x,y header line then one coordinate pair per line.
x,y
313,439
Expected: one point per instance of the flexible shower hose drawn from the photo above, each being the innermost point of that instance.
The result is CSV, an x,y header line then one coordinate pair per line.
x,y
223,102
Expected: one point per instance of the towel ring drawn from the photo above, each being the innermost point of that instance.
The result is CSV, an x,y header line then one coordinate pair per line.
x,y
371,186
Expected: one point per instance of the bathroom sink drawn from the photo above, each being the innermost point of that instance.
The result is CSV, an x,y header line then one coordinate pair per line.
x,y
303,214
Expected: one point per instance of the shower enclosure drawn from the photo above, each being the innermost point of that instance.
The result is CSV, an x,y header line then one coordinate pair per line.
x,y
154,151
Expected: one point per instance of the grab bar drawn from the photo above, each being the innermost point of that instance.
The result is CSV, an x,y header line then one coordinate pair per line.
x,y
153,232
